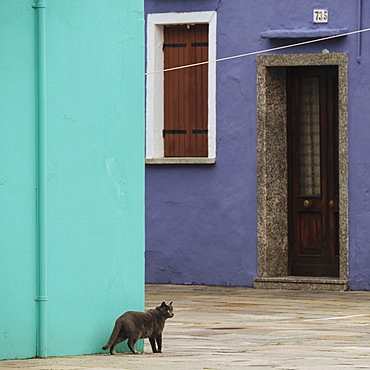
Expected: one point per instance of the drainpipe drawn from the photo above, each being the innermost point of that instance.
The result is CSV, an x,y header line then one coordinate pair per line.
x,y
359,27
41,189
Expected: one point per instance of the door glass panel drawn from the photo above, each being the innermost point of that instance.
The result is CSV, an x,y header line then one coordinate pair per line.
x,y
309,136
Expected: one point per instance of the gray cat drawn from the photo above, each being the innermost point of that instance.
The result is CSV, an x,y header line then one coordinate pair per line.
x,y
134,325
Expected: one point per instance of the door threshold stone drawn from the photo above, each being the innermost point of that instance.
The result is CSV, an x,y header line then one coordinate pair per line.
x,y
301,283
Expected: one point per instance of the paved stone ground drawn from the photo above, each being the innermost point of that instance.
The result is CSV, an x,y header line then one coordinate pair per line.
x,y
241,328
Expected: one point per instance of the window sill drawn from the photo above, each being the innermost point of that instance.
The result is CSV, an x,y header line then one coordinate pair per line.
x,y
181,160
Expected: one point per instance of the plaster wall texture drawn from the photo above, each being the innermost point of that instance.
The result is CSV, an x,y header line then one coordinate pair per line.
x,y
17,182
95,146
201,221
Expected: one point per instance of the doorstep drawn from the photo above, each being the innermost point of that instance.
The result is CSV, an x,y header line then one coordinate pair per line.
x,y
301,283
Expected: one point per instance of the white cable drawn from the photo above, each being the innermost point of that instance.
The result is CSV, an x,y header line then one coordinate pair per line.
x,y
260,52
336,318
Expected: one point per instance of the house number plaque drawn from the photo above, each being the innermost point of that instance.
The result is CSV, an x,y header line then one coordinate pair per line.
x,y
320,16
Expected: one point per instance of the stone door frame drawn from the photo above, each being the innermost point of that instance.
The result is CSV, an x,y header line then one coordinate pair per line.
x,y
272,172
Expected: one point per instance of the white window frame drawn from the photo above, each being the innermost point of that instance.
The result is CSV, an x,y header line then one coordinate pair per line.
x,y
155,86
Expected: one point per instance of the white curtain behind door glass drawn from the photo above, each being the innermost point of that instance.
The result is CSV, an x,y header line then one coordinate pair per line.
x,y
309,126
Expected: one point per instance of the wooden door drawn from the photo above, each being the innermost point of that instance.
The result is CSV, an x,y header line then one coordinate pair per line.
x,y
186,91
313,169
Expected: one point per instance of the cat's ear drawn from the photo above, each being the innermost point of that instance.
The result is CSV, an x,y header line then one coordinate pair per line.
x,y
163,304
171,303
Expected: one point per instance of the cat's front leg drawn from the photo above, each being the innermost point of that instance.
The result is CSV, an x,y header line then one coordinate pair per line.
x,y
159,343
152,343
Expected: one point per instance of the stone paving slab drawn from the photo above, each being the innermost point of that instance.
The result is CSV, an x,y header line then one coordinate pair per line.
x,y
235,328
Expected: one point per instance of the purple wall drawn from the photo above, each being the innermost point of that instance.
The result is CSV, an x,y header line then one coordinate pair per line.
x,y
201,220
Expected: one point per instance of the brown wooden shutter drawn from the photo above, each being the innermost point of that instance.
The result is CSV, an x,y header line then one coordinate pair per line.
x,y
186,91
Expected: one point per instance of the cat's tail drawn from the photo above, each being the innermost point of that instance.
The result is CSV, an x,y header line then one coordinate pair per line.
x,y
113,336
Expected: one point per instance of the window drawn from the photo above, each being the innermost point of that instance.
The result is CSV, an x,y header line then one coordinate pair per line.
x,y
185,91
181,103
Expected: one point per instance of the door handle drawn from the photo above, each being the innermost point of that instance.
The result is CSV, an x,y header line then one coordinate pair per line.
x,y
331,203
307,203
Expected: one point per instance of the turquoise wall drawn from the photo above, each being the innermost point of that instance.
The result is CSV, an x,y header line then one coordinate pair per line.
x,y
17,181
95,146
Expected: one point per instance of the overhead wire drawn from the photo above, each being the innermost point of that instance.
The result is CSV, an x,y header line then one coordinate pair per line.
x,y
261,51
